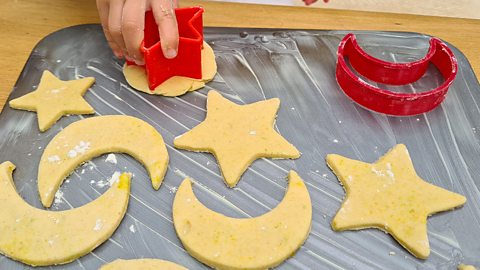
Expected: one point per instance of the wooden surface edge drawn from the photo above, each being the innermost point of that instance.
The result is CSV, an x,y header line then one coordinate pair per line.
x,y
19,35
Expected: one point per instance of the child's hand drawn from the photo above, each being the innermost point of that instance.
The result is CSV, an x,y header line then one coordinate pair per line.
x,y
123,23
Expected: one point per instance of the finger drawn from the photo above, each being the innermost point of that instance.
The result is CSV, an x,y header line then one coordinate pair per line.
x,y
133,23
117,51
115,24
102,7
167,26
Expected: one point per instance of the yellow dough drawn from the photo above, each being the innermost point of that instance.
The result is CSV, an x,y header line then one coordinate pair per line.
x,y
92,137
237,135
39,238
142,264
248,243
175,86
55,98
390,196
466,267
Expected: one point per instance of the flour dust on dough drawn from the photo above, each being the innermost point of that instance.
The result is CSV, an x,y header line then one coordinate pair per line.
x,y
40,238
55,98
175,86
390,196
91,137
237,135
243,243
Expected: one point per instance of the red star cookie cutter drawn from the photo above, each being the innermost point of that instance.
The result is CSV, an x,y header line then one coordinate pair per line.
x,y
187,63
385,101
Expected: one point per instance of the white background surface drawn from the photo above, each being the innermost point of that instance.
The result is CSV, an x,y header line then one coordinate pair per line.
x,y
448,8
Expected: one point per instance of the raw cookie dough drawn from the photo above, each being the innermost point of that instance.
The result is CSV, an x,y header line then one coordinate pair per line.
x,y
175,86
466,267
39,238
243,243
237,135
92,137
55,98
142,264
390,196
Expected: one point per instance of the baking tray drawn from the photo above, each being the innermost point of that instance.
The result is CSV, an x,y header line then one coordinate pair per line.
x,y
255,64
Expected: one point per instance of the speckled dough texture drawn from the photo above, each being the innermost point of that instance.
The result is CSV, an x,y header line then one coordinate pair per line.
x,y
389,195
237,135
40,238
92,137
248,243
54,98
175,86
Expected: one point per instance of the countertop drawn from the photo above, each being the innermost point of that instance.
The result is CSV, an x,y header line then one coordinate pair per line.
x,y
23,23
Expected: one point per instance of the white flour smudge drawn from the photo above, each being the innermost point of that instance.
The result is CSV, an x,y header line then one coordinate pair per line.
x,y
59,197
54,158
113,179
98,225
111,158
172,189
79,149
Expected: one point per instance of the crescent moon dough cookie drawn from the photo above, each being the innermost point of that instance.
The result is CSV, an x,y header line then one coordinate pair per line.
x,y
54,98
92,137
175,86
237,135
142,264
39,238
390,196
247,243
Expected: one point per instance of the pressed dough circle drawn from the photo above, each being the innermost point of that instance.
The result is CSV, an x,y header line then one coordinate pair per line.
x,y
175,86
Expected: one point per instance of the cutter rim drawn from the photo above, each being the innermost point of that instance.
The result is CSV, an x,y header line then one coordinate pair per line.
x,y
379,93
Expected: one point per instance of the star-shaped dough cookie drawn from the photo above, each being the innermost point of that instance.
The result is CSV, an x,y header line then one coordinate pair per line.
x,y
237,135
55,98
390,196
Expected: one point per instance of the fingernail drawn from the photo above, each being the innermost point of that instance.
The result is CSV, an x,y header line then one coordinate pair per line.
x,y
138,59
118,54
171,53
139,62
129,58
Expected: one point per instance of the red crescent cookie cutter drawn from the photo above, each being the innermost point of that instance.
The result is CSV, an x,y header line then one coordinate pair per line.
x,y
187,63
385,101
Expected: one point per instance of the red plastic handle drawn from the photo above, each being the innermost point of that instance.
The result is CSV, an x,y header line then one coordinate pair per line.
x,y
385,101
187,63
